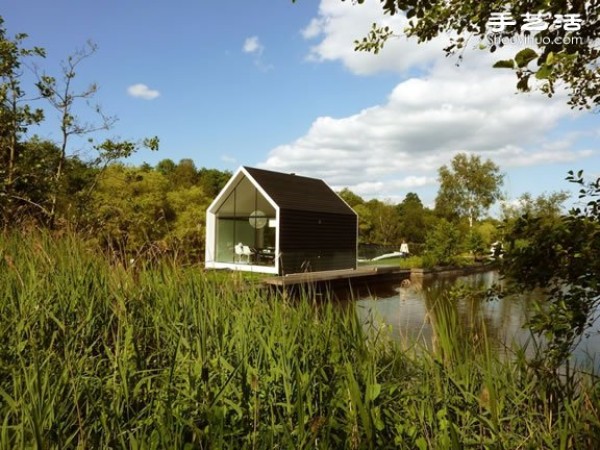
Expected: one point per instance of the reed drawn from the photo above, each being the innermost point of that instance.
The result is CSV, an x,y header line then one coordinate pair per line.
x,y
95,355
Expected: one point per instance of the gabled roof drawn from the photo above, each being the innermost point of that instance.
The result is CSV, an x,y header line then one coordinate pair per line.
x,y
291,191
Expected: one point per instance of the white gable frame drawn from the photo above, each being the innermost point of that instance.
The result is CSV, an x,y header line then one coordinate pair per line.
x,y
211,227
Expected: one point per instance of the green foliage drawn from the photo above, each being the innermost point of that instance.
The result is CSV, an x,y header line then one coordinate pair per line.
x,y
366,225
547,207
389,224
476,245
504,64
137,211
386,223
350,197
111,150
184,174
488,232
560,254
468,188
524,57
415,219
16,116
187,230
444,244
166,167
100,356
131,208
33,180
213,181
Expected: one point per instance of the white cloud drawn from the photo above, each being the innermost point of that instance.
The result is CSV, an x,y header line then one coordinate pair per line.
x,y
253,45
374,188
385,150
142,91
339,24
399,145
314,28
228,159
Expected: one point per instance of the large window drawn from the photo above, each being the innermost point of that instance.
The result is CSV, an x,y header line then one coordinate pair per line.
x,y
246,227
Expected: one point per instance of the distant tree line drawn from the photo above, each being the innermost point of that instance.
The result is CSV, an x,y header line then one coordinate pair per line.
x,y
453,227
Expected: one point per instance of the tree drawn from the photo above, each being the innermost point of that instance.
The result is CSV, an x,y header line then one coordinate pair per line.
x,y
131,210
443,244
15,116
414,218
365,223
166,167
484,235
566,36
386,222
367,220
468,188
545,209
33,183
188,228
62,97
213,181
185,174
350,197
548,206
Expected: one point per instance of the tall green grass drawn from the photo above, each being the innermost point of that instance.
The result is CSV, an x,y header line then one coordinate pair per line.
x,y
94,355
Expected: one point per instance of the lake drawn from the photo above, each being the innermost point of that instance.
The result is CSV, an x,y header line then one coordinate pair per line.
x,y
406,313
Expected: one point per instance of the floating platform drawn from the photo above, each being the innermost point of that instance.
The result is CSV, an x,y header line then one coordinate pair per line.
x,y
365,273
368,274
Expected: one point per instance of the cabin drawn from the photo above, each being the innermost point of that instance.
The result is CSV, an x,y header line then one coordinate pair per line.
x,y
279,223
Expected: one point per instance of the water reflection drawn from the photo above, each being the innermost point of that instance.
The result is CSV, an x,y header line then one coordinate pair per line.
x,y
411,310
408,313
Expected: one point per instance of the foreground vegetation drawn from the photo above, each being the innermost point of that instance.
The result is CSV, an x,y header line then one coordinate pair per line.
x,y
94,355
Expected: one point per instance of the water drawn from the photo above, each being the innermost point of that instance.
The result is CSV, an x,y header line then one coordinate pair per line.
x,y
405,313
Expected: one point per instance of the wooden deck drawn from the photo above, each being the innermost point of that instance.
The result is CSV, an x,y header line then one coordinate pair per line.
x,y
367,274
360,274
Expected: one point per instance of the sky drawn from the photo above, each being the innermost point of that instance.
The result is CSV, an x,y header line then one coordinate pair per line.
x,y
278,85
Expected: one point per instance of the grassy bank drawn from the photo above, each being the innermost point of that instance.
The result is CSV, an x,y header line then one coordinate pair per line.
x,y
403,263
94,355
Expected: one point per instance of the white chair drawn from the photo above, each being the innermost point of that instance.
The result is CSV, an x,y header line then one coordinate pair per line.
x,y
239,251
242,251
247,252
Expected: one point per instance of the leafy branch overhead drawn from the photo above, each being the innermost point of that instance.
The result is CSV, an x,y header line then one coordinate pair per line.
x,y
561,55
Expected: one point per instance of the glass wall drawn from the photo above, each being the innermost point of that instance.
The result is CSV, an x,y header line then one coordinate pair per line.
x,y
246,227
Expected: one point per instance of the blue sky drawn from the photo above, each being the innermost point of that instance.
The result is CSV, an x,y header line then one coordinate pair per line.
x,y
278,85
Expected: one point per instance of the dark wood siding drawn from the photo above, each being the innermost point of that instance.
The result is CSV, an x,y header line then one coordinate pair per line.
x,y
315,241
